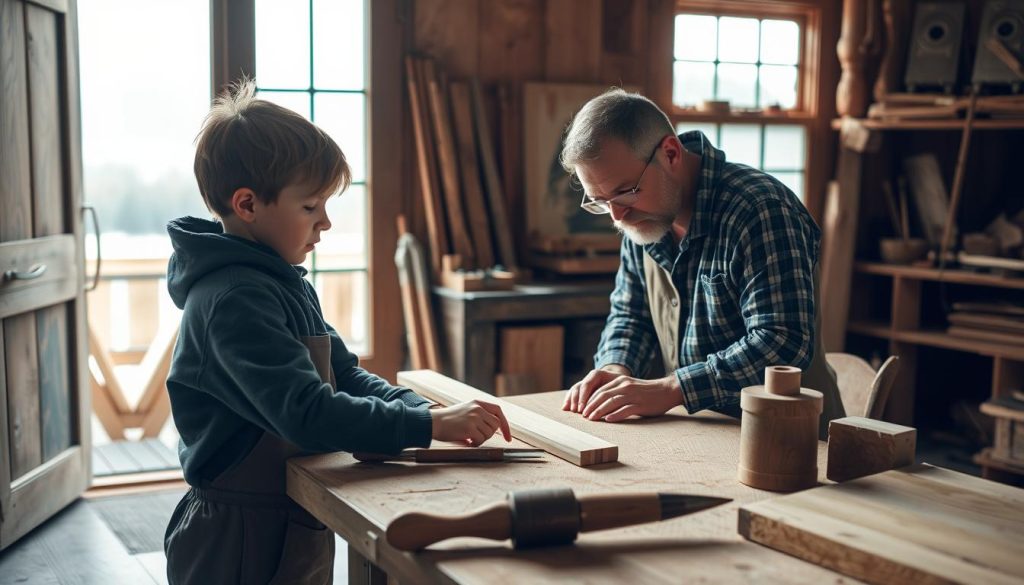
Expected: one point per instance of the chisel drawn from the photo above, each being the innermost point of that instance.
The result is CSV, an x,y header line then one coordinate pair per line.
x,y
455,455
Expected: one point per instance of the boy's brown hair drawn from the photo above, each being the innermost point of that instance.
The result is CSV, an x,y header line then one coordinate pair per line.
x,y
252,143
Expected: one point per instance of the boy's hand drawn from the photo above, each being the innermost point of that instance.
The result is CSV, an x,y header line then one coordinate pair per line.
x,y
470,422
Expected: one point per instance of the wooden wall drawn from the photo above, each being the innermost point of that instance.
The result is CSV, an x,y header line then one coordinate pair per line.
x,y
613,42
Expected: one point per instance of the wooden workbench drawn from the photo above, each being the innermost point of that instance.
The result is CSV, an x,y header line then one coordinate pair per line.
x,y
674,453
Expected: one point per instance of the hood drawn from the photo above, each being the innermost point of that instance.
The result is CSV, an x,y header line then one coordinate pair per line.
x,y
202,247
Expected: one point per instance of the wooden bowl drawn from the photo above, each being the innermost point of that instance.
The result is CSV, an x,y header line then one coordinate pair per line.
x,y
900,251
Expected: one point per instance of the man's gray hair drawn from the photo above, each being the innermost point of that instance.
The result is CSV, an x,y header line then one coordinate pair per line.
x,y
616,113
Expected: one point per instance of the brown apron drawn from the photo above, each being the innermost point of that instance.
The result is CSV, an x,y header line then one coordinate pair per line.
x,y
242,528
665,314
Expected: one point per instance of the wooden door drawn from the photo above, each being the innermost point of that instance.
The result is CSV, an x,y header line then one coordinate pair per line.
x,y
44,411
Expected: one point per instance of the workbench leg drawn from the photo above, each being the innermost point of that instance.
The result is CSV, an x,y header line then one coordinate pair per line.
x,y
362,572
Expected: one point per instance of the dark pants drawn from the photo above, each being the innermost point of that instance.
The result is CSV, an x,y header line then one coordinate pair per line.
x,y
216,536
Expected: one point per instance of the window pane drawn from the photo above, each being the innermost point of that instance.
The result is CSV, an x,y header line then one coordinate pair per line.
x,y
795,182
296,101
343,116
742,143
780,42
138,142
778,85
338,44
737,39
710,130
344,245
282,50
693,83
737,84
344,300
784,147
696,37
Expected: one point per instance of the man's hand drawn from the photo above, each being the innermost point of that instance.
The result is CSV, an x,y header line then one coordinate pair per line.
x,y
623,396
470,422
577,396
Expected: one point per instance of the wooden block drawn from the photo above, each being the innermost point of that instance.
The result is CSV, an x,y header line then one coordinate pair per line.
x,y
860,446
562,441
478,280
536,351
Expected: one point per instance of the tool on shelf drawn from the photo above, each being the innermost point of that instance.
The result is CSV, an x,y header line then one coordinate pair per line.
x,y
545,517
455,455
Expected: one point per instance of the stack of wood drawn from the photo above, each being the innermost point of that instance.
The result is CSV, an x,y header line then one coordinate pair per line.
x,y
909,106
1008,411
992,322
469,239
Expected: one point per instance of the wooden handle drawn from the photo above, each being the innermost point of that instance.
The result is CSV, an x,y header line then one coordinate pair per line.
x,y
600,512
416,530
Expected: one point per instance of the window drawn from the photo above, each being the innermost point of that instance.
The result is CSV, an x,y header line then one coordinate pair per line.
x,y
756,62
144,93
777,149
749,62
310,58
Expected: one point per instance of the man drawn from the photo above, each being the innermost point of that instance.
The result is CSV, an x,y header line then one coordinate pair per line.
x,y
717,275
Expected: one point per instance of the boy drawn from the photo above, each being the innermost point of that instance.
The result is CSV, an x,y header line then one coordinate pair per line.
x,y
257,375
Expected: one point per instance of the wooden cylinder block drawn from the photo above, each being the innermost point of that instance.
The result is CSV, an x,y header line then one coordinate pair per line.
x,y
779,432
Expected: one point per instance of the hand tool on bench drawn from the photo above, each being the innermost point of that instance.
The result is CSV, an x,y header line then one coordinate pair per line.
x,y
545,517
455,455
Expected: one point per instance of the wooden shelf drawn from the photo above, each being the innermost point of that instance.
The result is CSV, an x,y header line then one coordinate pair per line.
x,y
951,275
984,458
936,338
937,124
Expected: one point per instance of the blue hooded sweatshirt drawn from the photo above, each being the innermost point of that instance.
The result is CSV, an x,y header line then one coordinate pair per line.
x,y
240,368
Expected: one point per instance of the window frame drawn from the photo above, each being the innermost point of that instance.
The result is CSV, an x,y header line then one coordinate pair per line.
x,y
817,77
233,52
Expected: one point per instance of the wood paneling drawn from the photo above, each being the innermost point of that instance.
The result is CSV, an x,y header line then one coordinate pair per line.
x,y
23,393
511,40
45,122
449,31
54,379
572,30
15,174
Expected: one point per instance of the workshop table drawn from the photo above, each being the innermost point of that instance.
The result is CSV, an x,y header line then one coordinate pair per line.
x,y
677,452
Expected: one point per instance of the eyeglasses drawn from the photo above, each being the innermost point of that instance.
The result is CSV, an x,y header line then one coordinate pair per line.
x,y
603,206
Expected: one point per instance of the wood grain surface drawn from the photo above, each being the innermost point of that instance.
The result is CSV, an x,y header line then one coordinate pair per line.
x,y
673,453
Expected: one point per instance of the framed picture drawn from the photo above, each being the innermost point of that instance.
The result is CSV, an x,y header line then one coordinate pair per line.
x,y
552,203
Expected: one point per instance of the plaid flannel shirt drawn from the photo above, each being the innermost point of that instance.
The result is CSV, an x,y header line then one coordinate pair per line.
x,y
745,277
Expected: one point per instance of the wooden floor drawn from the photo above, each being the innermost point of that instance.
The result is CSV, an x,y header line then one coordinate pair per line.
x,y
81,545
123,457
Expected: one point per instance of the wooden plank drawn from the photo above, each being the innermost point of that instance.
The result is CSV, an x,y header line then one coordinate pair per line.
x,y
424,309
5,433
461,243
105,410
449,31
1015,339
45,122
55,384
572,445
55,257
143,303
15,166
918,524
472,189
495,197
624,39
842,204
426,164
111,384
536,351
410,308
155,403
23,393
511,136
572,33
511,40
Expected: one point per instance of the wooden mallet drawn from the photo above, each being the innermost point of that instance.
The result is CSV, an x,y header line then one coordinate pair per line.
x,y
545,517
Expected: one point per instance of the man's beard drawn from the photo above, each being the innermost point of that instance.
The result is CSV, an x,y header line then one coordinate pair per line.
x,y
646,232
649,228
